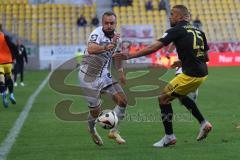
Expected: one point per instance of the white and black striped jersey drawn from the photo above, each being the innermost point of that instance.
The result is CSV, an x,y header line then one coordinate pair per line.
x,y
97,64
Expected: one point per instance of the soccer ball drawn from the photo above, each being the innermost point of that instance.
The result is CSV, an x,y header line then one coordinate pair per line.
x,y
107,119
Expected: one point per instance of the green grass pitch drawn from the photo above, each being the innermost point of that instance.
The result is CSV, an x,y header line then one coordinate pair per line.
x,y
44,136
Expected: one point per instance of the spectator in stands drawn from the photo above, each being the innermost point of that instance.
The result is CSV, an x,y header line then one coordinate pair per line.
x,y
81,22
21,58
197,23
95,21
115,3
149,5
161,5
129,2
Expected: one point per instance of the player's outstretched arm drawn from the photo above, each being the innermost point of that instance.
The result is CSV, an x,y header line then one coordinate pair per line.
x,y
119,68
122,77
177,63
148,50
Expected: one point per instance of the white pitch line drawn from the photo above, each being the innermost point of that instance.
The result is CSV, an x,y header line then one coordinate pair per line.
x,y
15,130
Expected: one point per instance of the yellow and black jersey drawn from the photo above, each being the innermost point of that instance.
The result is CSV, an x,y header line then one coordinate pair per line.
x,y
191,46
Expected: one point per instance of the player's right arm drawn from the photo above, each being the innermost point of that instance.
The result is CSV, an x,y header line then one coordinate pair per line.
x,y
148,50
168,37
94,48
145,51
94,42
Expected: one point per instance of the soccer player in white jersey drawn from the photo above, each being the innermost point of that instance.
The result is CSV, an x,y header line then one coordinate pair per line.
x,y
95,77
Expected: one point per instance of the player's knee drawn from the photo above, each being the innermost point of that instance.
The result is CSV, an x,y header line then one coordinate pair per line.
x,y
122,101
161,99
181,99
164,99
95,112
1,77
8,76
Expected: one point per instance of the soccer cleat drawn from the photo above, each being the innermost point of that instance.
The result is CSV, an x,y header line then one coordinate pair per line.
x,y
204,130
116,136
12,99
15,84
22,84
166,141
97,139
95,136
4,99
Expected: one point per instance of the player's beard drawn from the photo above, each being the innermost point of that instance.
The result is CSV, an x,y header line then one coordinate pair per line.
x,y
109,34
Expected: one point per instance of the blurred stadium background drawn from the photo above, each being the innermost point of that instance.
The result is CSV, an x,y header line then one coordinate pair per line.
x,y
50,32
50,26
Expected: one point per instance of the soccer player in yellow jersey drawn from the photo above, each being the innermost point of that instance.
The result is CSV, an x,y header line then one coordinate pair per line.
x,y
191,46
6,60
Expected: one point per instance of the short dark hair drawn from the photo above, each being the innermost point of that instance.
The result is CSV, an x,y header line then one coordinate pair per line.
x,y
109,13
183,9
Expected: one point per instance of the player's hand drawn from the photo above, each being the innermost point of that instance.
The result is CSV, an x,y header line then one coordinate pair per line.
x,y
168,56
176,64
121,56
110,46
122,78
116,38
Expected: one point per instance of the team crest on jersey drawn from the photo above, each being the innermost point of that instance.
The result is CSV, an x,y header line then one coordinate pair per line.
x,y
93,38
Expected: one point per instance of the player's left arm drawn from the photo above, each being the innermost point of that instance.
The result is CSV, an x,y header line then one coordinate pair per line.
x,y
121,75
206,48
118,64
25,54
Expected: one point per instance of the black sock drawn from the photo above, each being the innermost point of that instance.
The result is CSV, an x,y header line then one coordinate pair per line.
x,y
167,114
2,87
192,107
9,84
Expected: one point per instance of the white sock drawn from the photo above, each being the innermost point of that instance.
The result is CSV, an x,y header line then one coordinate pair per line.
x,y
170,136
120,111
91,123
203,123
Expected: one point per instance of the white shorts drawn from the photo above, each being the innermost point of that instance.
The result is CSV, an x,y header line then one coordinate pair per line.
x,y
92,87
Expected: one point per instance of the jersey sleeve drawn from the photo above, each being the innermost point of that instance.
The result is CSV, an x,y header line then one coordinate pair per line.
x,y
171,35
12,46
206,47
94,37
